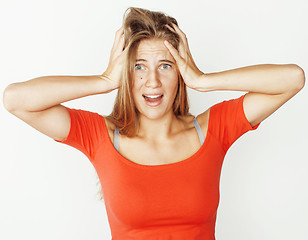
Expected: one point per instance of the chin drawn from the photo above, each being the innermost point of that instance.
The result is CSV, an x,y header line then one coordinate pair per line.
x,y
154,115
155,111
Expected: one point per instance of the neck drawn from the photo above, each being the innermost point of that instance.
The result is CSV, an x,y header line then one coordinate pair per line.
x,y
158,128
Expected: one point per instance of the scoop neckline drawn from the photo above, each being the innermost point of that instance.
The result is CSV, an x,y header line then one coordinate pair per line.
x,y
126,161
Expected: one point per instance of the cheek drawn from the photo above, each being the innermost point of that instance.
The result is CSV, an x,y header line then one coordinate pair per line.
x,y
139,76
136,88
174,84
138,82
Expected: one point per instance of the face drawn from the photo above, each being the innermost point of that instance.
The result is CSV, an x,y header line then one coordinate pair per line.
x,y
155,79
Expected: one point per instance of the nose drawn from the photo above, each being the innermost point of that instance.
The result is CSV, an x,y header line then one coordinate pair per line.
x,y
153,80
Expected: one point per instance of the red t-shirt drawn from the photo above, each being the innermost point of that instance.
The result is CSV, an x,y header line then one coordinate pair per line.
x,y
172,201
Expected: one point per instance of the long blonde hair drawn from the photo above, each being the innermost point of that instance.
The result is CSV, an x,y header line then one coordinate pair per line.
x,y
142,24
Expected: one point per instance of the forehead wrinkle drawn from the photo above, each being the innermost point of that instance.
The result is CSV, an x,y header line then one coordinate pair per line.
x,y
152,50
160,55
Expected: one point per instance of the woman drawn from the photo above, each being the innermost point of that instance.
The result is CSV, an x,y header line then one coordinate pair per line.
x,y
158,165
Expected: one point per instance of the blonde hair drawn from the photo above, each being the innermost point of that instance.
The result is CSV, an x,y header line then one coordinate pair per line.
x,y
140,24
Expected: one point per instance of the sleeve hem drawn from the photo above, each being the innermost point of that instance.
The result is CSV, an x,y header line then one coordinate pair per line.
x,y
249,127
65,140
68,138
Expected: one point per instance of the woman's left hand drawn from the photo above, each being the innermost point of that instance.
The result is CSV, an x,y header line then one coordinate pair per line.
x,y
187,67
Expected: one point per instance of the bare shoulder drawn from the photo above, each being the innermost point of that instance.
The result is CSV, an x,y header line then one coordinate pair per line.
x,y
203,120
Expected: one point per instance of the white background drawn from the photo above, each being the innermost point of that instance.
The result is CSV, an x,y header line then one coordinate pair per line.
x,y
48,190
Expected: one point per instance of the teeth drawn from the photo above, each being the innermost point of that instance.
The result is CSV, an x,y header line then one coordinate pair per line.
x,y
153,96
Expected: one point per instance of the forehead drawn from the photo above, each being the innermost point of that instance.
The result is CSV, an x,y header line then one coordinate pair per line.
x,y
152,48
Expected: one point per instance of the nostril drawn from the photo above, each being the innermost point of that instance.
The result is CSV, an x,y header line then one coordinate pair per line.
x,y
153,82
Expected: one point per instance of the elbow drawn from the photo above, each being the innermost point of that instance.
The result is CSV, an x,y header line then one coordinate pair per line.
x,y
299,77
8,97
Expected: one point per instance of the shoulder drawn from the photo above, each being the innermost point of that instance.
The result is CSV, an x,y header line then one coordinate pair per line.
x,y
91,121
225,106
203,119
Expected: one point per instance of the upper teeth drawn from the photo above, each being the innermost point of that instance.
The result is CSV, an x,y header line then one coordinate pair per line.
x,y
152,96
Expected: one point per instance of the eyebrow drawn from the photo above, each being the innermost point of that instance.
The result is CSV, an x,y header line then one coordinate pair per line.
x,y
162,60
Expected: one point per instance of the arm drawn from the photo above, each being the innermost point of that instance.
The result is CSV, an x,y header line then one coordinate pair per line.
x,y
38,101
44,92
269,86
263,78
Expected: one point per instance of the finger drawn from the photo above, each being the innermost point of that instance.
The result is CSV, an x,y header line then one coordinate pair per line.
x,y
183,45
170,28
119,33
181,34
179,60
120,46
184,41
178,30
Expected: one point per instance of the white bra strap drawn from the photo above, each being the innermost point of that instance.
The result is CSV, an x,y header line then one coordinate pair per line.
x,y
197,126
199,131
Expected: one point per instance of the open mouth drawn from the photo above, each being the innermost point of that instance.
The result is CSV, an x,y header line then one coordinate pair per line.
x,y
152,98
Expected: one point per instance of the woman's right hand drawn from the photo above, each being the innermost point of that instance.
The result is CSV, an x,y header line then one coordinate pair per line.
x,y
114,70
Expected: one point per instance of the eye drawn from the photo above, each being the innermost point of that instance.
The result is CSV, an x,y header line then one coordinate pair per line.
x,y
138,66
167,66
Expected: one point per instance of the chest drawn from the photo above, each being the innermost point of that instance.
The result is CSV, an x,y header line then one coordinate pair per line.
x,y
143,196
158,152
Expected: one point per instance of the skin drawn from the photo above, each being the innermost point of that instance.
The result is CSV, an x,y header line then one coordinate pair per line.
x,y
154,75
160,132
161,135
269,86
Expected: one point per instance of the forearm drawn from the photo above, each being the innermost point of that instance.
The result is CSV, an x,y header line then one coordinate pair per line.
x,y
43,92
264,78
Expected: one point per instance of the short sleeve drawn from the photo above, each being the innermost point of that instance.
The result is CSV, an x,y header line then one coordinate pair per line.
x,y
87,130
228,121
